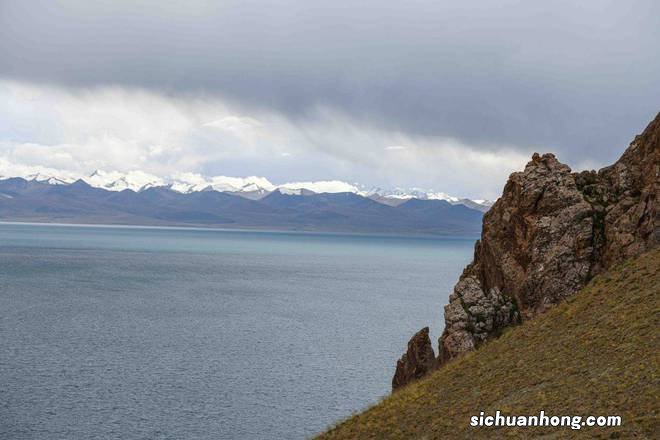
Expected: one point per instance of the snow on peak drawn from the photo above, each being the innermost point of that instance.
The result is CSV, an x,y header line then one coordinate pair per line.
x,y
188,182
117,181
49,179
322,186
409,193
251,187
192,182
241,184
35,173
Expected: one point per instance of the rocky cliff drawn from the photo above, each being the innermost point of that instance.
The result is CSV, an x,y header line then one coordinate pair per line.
x,y
550,232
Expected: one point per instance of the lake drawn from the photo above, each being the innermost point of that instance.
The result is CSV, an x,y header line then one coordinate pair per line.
x,y
136,333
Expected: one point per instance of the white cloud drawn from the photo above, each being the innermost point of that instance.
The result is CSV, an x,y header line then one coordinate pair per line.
x,y
113,128
245,128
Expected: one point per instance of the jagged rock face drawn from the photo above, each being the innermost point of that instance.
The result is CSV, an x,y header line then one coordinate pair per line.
x,y
472,315
417,361
630,224
548,235
545,238
535,249
535,245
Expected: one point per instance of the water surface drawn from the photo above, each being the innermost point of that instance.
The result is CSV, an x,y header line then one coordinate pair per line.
x,y
128,333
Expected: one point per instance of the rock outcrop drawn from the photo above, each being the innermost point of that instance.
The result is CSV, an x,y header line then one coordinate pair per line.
x,y
550,232
626,196
417,361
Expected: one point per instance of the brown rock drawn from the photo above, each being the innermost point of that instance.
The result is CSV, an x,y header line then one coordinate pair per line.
x,y
417,361
633,191
548,235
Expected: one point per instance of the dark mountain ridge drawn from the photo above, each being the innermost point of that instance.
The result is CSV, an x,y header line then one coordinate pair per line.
x,y
22,200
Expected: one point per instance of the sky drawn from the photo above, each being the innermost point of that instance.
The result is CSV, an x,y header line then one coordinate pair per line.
x,y
452,96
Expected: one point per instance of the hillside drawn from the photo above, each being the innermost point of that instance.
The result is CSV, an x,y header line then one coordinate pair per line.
x,y
597,353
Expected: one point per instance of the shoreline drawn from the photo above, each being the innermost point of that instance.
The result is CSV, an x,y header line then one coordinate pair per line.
x,y
421,236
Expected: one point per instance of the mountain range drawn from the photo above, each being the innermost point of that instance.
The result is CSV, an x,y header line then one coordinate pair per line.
x,y
252,187
225,202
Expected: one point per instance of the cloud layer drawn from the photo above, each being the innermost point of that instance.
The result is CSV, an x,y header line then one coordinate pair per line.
x,y
412,90
132,129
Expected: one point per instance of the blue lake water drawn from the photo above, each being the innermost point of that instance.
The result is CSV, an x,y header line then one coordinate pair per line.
x,y
138,333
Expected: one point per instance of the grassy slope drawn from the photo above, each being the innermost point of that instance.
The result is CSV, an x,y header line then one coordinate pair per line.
x,y
597,354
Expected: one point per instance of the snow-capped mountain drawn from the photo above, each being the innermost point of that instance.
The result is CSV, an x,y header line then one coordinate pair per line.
x,y
410,193
35,173
324,186
401,195
191,182
252,187
116,181
49,179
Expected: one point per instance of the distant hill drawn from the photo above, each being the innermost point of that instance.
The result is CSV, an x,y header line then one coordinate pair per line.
x,y
598,353
252,187
79,202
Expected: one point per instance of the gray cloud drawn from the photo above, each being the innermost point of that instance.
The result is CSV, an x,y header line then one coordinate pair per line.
x,y
578,78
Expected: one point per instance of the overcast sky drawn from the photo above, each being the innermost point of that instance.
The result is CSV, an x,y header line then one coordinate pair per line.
x,y
447,95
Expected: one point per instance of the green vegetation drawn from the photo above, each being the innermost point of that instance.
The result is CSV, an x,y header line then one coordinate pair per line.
x,y
596,354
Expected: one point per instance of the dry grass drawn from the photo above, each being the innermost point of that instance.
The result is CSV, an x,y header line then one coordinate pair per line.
x,y
596,354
